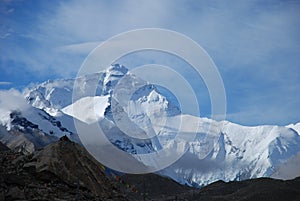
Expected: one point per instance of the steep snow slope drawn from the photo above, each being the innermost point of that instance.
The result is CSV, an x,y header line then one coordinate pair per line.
x,y
88,109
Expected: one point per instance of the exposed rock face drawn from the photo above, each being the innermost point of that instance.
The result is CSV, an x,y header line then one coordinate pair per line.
x,y
62,170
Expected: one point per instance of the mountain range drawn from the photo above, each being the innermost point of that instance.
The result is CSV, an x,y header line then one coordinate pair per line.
x,y
219,150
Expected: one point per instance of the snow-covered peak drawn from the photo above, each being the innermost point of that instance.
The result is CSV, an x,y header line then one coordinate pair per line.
x,y
112,76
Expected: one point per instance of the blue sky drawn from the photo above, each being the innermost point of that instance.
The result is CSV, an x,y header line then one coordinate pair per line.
x,y
254,44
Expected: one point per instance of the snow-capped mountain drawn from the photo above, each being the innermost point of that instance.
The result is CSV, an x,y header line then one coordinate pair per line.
x,y
220,150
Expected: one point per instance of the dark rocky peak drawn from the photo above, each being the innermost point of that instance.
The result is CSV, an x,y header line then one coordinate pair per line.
x,y
117,69
64,139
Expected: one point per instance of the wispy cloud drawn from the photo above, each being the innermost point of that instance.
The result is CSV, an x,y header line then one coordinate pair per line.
x,y
5,83
79,48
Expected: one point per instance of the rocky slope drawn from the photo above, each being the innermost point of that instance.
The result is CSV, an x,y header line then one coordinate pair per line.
x,y
160,188
61,171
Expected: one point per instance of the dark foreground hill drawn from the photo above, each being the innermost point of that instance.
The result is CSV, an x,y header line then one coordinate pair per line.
x,y
155,187
60,171
260,189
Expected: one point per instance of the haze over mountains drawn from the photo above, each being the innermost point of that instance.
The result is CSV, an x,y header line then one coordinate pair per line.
x,y
229,151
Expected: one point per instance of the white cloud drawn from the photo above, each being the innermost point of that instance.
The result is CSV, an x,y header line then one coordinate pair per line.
x,y
5,83
11,100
